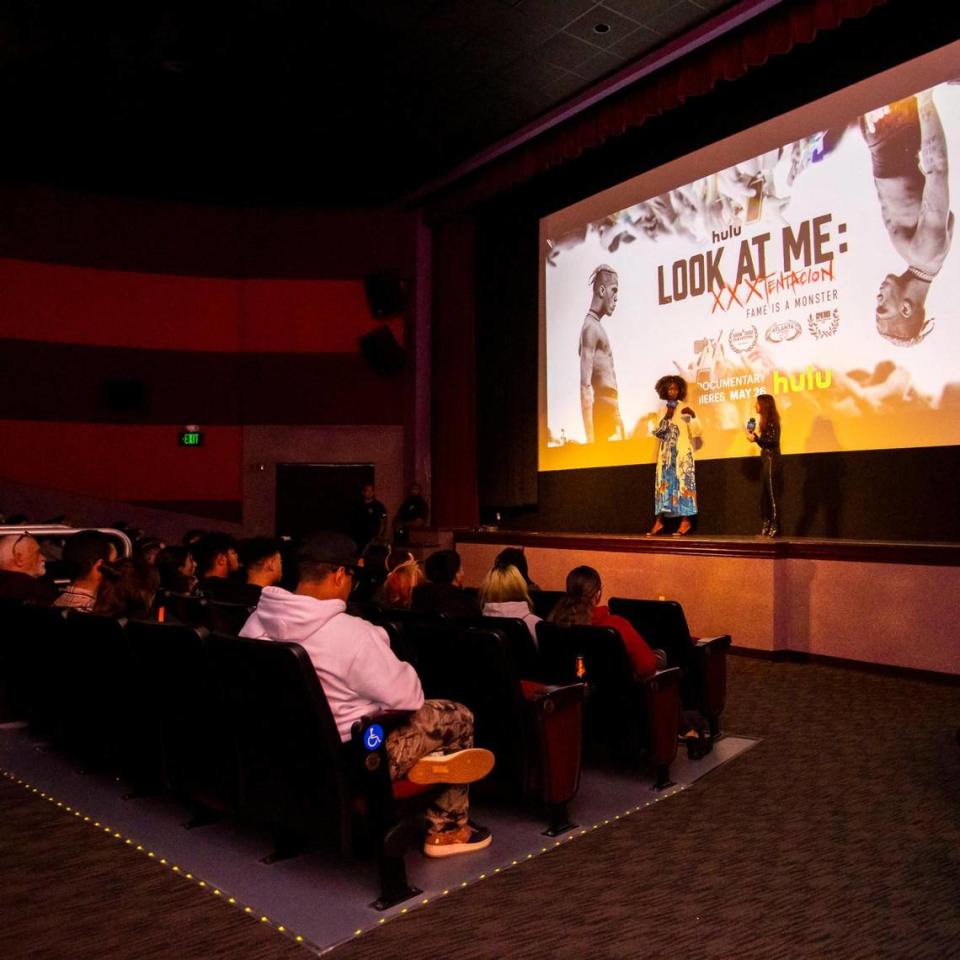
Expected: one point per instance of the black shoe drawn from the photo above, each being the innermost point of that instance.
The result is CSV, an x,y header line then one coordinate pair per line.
x,y
699,744
765,529
772,530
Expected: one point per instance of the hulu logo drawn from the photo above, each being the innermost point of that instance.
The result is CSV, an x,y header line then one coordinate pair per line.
x,y
800,382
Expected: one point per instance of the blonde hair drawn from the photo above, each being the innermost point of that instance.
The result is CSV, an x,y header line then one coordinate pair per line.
x,y
502,584
400,583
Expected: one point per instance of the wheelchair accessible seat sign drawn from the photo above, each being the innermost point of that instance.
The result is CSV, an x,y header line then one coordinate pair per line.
x,y
373,736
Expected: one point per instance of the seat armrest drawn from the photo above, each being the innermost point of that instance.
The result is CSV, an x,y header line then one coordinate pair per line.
x,y
721,642
536,692
711,666
669,676
555,714
388,719
370,758
377,802
662,696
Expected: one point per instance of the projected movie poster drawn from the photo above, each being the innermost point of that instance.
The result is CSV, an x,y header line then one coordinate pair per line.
x,y
821,271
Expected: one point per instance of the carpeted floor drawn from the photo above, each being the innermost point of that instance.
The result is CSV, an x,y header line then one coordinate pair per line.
x,y
69,892
838,836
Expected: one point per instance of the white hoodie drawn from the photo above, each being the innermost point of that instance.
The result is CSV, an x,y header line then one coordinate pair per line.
x,y
357,669
514,608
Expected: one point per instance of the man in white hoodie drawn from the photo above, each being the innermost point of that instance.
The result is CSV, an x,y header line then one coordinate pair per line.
x,y
360,675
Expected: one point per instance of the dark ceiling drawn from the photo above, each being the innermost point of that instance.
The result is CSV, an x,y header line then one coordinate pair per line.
x,y
296,101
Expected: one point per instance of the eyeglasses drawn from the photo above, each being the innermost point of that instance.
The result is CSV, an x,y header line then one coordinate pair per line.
x,y
26,535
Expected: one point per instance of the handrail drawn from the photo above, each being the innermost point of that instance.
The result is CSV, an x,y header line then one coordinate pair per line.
x,y
62,530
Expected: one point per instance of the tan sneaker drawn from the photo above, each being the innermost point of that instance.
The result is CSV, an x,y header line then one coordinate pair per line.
x,y
467,839
464,766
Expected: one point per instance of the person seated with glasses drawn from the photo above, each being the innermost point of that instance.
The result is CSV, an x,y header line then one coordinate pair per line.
x,y
21,567
360,675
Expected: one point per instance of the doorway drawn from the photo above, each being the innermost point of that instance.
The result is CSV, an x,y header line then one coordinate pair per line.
x,y
318,496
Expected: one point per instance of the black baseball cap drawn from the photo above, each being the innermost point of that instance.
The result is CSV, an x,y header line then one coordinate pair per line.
x,y
333,548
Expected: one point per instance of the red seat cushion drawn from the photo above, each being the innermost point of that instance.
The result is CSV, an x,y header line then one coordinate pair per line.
x,y
531,688
403,788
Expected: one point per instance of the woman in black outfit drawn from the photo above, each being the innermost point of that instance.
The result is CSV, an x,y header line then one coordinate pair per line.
x,y
767,437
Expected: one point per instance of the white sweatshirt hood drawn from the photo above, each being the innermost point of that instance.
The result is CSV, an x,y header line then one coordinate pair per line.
x,y
289,616
514,608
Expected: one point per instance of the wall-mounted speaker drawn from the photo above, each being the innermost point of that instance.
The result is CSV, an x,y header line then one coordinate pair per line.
x,y
386,294
382,352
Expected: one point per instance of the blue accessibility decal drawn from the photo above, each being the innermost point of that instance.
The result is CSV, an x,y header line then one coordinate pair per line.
x,y
373,736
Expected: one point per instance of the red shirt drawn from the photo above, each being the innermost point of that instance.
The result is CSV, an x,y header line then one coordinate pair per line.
x,y
641,656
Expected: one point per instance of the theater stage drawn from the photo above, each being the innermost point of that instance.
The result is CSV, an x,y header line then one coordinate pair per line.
x,y
882,603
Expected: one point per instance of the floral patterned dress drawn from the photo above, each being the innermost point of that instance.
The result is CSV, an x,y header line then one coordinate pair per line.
x,y
676,484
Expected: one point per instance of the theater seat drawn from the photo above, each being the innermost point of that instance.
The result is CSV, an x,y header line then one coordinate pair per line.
x,y
183,607
13,668
404,789
522,648
634,719
702,660
227,618
534,730
179,690
43,686
98,694
295,777
544,601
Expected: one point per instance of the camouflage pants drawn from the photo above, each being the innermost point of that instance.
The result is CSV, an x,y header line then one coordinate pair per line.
x,y
439,726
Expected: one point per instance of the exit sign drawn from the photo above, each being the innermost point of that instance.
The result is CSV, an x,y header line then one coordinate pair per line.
x,y
190,438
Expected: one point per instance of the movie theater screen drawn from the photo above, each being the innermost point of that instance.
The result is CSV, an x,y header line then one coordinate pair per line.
x,y
810,258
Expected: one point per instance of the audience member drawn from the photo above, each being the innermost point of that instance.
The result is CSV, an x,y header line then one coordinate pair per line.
x,y
177,569
21,567
368,521
581,606
397,557
52,547
360,675
85,555
372,573
503,593
217,559
133,533
444,593
146,549
400,584
515,557
412,514
263,561
130,592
